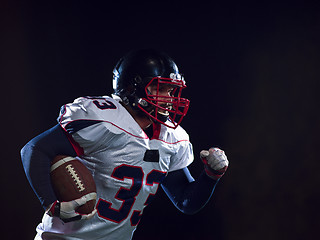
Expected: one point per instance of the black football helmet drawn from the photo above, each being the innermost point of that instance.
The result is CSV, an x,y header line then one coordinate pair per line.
x,y
137,71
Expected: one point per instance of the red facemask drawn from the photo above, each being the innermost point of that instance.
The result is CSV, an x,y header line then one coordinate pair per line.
x,y
169,106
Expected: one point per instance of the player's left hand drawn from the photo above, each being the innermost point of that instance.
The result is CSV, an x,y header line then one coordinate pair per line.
x,y
215,162
66,211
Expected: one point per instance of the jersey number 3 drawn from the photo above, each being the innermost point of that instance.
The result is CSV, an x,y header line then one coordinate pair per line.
x,y
103,104
128,196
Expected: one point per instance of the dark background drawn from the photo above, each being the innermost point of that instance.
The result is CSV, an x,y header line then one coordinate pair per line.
x,y
252,71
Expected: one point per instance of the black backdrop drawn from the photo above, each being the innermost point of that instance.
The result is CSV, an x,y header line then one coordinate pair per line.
x,y
252,71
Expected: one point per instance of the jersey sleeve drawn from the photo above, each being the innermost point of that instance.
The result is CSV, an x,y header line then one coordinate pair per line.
x,y
84,120
183,156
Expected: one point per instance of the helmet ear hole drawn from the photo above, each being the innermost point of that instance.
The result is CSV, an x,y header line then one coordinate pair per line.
x,y
143,102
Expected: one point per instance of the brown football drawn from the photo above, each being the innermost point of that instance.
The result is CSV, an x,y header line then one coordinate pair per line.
x,y
71,180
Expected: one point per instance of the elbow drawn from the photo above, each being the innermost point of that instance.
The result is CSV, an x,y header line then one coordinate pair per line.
x,y
190,212
24,150
25,154
188,208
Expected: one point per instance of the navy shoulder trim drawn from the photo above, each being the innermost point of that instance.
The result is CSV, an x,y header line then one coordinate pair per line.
x,y
77,125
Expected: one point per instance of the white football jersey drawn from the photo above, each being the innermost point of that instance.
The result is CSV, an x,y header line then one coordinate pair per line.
x,y
126,164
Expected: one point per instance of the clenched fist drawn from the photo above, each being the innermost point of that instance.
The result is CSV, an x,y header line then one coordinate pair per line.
x,y
215,161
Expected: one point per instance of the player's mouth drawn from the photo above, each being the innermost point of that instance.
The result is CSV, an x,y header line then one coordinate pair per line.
x,y
164,109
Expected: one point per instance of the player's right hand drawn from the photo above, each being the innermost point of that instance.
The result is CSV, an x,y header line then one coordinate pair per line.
x,y
66,211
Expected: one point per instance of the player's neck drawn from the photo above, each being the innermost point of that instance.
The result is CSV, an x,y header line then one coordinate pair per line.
x,y
143,121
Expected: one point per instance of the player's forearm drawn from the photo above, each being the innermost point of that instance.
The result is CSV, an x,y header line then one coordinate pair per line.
x,y
189,195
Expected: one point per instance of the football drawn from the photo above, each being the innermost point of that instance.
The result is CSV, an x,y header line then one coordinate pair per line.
x,y
71,180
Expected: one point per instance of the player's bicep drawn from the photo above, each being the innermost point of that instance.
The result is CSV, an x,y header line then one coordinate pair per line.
x,y
53,142
187,194
175,184
36,156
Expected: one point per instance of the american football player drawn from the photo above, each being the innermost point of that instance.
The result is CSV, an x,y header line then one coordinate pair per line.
x,y
132,143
